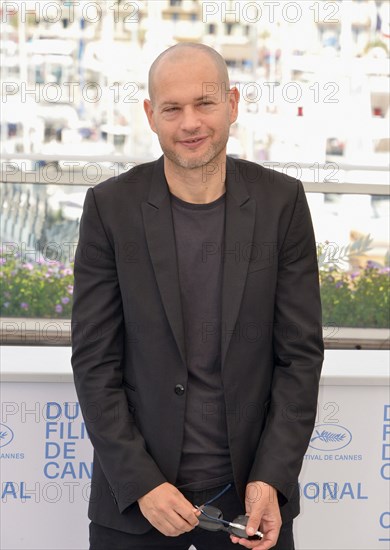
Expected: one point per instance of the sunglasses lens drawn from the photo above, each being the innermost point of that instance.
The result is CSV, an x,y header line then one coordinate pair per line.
x,y
211,523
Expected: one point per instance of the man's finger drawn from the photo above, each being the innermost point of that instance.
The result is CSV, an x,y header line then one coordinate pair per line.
x,y
264,544
176,524
185,514
188,514
251,544
253,523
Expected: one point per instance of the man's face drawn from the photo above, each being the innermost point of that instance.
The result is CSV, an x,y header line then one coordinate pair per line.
x,y
192,111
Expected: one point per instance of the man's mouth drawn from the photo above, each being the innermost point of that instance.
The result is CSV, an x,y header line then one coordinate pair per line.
x,y
192,142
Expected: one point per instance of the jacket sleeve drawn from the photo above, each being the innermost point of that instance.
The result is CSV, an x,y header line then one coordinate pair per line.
x,y
298,357
97,357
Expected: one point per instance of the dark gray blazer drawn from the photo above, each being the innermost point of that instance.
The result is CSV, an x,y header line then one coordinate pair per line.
x,y
128,339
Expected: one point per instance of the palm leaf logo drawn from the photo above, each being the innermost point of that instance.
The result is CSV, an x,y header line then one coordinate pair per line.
x,y
328,437
6,435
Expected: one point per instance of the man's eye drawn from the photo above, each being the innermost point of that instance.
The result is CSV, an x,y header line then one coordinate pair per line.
x,y
170,109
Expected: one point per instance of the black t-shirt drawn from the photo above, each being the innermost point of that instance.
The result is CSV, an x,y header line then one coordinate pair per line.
x,y
199,233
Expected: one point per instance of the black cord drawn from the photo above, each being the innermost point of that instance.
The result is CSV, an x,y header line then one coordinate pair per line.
x,y
218,495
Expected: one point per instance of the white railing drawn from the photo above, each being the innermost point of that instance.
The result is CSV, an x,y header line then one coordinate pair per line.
x,y
329,177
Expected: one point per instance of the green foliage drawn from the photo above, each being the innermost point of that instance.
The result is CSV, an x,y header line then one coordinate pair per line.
x,y
42,289
360,299
357,299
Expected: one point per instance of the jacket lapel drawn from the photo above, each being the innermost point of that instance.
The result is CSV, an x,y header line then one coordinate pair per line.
x,y
160,237
239,227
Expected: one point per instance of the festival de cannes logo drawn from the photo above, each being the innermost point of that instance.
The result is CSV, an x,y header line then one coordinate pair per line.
x,y
6,435
328,437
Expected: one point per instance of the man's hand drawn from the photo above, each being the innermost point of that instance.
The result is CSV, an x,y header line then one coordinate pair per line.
x,y
262,507
168,510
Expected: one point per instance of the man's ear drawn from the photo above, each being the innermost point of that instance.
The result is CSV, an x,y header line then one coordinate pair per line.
x,y
234,98
148,108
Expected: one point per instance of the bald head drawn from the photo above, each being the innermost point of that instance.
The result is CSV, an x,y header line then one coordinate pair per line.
x,y
187,52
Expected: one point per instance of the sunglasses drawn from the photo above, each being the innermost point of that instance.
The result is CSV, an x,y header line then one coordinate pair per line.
x,y
211,519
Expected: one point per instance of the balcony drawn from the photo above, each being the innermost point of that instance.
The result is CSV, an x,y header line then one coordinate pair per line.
x,y
40,218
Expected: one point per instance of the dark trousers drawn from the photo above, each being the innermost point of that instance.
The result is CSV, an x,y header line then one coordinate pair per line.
x,y
103,538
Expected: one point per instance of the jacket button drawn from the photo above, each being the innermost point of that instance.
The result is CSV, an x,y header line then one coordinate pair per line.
x,y
179,389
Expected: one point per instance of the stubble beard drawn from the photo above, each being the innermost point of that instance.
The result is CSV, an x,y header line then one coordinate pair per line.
x,y
212,152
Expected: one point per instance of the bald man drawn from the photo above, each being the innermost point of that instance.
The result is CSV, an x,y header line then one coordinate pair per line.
x,y
196,330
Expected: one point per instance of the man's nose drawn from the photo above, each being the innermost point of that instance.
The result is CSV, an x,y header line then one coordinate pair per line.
x,y
190,119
